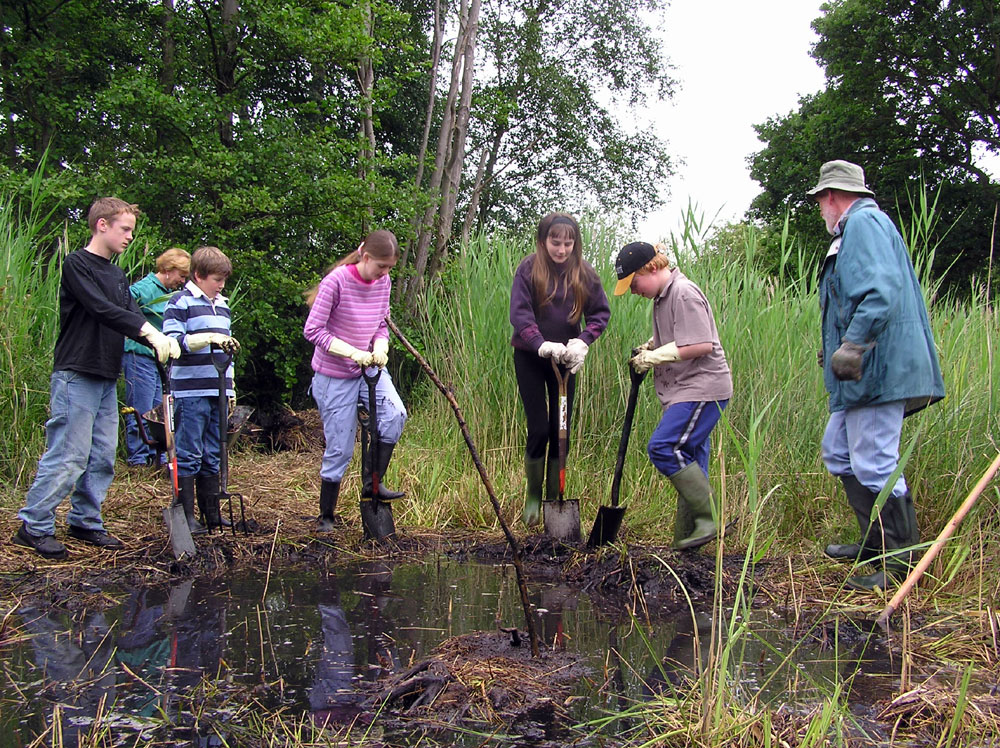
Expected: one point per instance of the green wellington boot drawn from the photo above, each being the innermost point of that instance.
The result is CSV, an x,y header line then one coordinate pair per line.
x,y
534,473
694,489
683,521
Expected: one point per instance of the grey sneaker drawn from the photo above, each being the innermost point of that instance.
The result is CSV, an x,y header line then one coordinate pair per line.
x,y
44,545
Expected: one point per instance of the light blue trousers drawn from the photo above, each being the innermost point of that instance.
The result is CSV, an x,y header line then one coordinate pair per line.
x,y
337,401
864,442
81,437
142,392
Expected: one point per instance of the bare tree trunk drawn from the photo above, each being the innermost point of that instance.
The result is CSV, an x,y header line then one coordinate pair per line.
x,y
448,138
431,93
477,191
366,84
453,174
399,288
226,61
168,69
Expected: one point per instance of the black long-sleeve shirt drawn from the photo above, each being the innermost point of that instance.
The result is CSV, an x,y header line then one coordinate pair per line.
x,y
96,312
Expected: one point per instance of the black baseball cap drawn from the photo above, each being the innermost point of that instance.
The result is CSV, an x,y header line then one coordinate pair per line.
x,y
631,258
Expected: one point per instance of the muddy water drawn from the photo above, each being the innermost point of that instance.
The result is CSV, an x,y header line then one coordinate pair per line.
x,y
308,642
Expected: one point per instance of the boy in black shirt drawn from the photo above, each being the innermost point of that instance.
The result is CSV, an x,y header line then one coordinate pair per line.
x,y
96,312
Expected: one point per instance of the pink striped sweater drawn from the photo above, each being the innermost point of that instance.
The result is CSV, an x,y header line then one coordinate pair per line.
x,y
352,309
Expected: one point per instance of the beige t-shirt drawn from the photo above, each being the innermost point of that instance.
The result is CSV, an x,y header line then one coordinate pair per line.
x,y
681,313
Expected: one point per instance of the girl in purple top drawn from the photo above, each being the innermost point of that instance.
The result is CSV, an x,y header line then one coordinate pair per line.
x,y
347,325
557,308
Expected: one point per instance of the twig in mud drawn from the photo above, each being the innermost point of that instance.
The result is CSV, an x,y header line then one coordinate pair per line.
x,y
515,549
270,558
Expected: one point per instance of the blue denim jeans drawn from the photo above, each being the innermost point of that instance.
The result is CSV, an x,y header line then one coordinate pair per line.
x,y
864,442
196,426
683,436
337,401
81,437
142,392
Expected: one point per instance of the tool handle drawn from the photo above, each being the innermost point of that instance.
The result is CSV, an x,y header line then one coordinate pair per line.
x,y
373,447
633,398
168,426
222,366
563,425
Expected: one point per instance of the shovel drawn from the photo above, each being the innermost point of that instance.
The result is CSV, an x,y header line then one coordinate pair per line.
x,y
562,518
173,515
376,515
609,518
221,366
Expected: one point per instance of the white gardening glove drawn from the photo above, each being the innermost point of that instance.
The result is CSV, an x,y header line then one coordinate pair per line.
x,y
576,352
645,346
340,347
164,346
380,352
552,350
199,340
646,359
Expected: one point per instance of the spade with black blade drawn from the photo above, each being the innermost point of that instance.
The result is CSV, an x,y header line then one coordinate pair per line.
x,y
609,518
376,515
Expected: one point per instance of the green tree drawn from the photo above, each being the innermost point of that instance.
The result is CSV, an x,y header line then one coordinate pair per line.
x,y
543,129
913,91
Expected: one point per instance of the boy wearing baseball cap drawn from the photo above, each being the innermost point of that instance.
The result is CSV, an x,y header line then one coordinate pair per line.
x,y
691,377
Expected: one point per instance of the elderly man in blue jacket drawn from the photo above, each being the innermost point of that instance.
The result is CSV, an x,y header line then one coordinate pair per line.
x,y
879,366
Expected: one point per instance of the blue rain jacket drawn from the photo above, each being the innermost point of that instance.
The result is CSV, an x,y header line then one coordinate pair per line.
x,y
869,294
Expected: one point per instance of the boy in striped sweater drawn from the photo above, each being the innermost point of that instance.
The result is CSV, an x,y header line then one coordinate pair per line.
x,y
197,317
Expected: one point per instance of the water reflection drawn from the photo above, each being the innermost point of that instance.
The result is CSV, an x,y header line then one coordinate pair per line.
x,y
333,697
309,641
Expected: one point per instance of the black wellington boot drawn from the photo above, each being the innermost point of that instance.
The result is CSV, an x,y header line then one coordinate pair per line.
x,y
861,500
185,491
207,490
329,490
384,494
898,533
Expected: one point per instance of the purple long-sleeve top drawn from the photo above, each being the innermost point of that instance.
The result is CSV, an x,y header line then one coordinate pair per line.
x,y
534,325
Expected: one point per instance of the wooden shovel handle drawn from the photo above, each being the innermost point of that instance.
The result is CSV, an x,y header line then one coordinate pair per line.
x,y
563,426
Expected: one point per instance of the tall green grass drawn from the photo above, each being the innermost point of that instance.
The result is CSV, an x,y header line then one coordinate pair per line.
x,y
32,247
29,304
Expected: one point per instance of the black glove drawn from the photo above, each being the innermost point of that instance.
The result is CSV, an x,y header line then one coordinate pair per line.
x,y
819,357
846,360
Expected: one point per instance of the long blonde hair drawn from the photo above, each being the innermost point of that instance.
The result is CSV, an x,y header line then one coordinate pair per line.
x,y
578,275
381,245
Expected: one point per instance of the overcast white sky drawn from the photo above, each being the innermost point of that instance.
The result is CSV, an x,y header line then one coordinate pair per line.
x,y
737,64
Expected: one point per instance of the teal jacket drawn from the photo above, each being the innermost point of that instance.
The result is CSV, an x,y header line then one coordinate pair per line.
x,y
869,294
152,297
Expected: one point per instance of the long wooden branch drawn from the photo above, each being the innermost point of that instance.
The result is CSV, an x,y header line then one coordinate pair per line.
x,y
529,619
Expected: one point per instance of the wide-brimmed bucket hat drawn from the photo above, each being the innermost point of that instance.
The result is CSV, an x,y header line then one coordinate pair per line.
x,y
841,175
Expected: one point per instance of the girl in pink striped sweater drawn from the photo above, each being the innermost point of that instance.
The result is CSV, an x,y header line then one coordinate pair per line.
x,y
347,325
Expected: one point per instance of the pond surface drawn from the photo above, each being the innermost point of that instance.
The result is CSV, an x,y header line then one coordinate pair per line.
x,y
307,641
